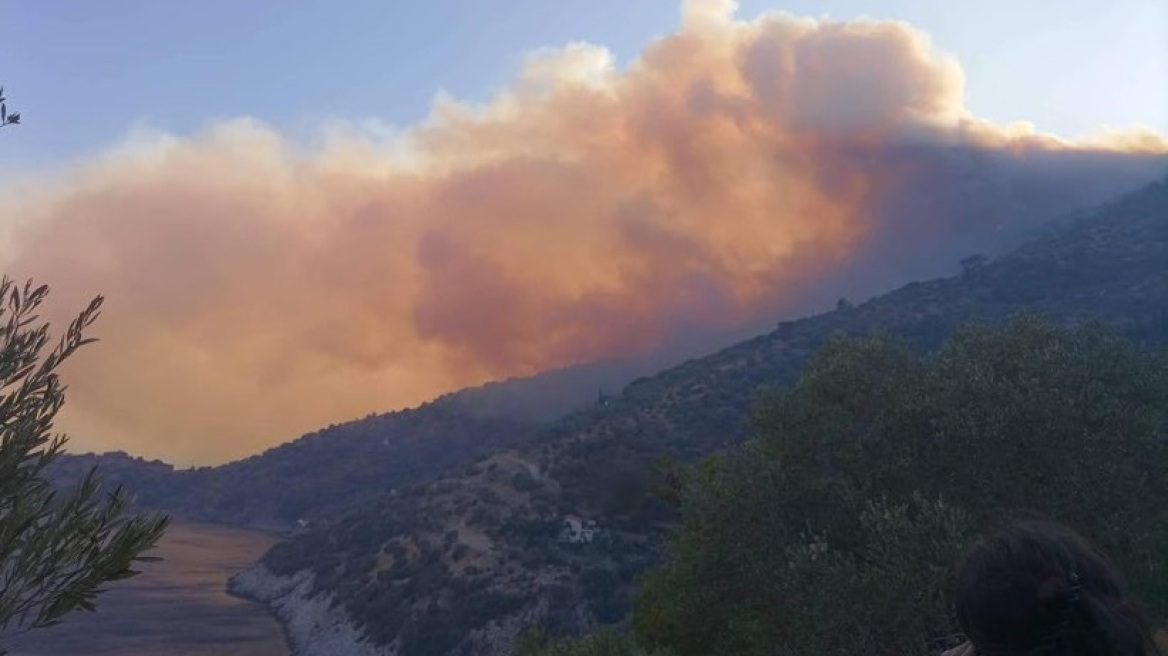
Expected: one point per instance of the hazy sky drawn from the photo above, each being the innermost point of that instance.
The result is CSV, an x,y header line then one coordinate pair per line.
x,y
84,71
291,231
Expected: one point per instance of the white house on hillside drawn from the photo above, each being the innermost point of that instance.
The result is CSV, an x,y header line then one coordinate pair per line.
x,y
576,530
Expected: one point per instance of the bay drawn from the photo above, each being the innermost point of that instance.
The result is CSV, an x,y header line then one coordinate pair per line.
x,y
179,605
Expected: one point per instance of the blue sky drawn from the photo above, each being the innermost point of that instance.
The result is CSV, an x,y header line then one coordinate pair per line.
x,y
84,72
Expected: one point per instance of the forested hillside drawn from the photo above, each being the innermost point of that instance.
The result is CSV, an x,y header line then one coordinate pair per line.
x,y
345,464
467,560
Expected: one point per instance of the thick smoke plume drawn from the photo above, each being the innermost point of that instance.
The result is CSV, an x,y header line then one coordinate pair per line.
x,y
736,172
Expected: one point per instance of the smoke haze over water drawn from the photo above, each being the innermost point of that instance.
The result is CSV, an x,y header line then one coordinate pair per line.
x,y
735,173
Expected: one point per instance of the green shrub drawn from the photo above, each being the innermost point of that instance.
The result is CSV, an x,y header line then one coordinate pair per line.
x,y
827,534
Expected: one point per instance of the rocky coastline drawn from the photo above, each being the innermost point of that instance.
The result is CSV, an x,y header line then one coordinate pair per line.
x,y
313,624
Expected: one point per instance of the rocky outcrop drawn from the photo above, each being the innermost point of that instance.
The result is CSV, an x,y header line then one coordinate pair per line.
x,y
314,623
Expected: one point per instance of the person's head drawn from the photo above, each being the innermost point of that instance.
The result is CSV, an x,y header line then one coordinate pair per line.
x,y
1036,587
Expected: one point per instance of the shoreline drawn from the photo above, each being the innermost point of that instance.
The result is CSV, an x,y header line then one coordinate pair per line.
x,y
232,590
313,625
271,612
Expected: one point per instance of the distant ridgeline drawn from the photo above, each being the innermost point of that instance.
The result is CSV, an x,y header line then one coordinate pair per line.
x,y
344,465
460,564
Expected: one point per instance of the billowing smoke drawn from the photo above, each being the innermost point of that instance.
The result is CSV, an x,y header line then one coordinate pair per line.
x,y
735,172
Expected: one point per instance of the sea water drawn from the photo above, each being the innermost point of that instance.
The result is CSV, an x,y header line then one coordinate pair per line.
x,y
179,605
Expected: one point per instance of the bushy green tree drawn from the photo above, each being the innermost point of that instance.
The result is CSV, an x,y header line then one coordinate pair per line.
x,y
56,551
835,529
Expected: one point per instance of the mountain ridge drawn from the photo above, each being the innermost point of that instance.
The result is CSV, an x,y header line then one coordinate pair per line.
x,y
351,460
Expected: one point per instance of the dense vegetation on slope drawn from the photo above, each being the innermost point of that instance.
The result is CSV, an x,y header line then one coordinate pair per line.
x,y
338,467
332,469
427,567
837,527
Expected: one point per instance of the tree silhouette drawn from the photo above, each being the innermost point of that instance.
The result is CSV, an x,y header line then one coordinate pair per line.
x,y
56,550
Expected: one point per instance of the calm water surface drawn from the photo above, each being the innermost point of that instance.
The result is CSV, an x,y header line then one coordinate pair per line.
x,y
179,606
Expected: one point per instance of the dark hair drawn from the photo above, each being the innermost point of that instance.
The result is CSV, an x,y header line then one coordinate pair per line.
x,y
1037,587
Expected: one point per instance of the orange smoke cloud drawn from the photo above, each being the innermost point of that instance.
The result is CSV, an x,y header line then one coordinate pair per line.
x,y
736,171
